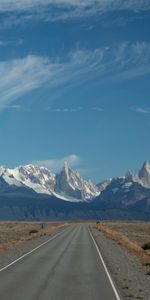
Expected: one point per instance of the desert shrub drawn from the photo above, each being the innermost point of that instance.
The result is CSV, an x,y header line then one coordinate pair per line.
x,y
148,273
146,246
33,231
147,264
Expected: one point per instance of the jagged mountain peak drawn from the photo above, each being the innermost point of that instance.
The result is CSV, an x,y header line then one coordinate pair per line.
x,y
66,166
2,170
146,166
144,174
71,183
103,185
40,179
129,174
68,184
67,171
33,168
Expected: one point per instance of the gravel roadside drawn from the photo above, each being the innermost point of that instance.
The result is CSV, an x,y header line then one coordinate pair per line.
x,y
125,268
9,255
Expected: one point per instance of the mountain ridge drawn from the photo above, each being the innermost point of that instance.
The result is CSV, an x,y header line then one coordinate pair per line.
x,y
126,197
67,185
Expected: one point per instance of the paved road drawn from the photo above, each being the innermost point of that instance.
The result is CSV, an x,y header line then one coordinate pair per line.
x,y
66,268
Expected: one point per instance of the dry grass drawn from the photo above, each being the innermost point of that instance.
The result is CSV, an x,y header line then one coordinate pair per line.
x,y
130,235
14,233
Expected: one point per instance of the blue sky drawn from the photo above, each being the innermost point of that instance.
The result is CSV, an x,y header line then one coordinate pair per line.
x,y
74,85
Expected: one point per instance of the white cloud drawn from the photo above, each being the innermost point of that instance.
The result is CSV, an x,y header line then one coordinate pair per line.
x,y
98,109
21,76
18,107
57,164
123,62
102,5
53,10
4,43
65,110
141,110
74,110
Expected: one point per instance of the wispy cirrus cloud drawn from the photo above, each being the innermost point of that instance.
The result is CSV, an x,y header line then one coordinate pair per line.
x,y
141,110
54,10
112,63
74,110
16,107
57,164
98,109
65,110
20,76
102,5
4,43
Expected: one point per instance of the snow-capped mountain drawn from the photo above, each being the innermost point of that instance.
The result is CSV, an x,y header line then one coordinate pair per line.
x,y
131,191
8,177
142,178
71,183
103,185
68,185
32,192
123,195
40,179
144,174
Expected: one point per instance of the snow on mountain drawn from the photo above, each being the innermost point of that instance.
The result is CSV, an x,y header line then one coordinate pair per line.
x,y
143,177
8,177
71,184
40,179
127,190
122,186
124,194
102,185
144,174
68,185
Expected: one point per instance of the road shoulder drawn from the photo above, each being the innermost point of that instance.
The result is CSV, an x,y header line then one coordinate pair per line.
x,y
9,255
125,268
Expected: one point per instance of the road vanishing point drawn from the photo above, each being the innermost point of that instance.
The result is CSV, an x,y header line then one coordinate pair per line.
x,y
68,266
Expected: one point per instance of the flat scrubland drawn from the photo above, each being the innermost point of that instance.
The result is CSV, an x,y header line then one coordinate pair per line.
x,y
134,236
14,233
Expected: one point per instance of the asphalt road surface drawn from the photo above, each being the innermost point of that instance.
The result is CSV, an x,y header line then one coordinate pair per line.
x,y
68,267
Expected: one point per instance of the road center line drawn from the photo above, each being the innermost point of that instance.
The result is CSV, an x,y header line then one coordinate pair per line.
x,y
106,270
33,250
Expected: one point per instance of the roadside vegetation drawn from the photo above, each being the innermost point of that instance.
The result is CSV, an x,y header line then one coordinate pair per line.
x,y
14,233
133,236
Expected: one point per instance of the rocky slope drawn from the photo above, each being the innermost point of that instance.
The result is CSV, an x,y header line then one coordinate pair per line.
x,y
144,175
72,184
68,185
